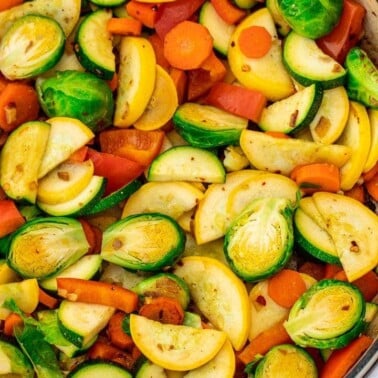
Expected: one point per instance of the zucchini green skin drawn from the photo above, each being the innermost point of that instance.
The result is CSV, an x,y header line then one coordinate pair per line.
x,y
206,126
149,369
80,95
321,68
18,362
218,28
312,19
316,328
146,242
299,112
310,240
80,205
99,368
250,257
113,199
362,78
108,3
288,356
30,250
21,58
39,352
93,45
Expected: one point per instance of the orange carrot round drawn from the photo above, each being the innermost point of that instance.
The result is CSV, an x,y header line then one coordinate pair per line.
x,y
187,45
227,11
277,134
255,41
317,176
116,334
286,287
18,104
357,192
163,309
124,26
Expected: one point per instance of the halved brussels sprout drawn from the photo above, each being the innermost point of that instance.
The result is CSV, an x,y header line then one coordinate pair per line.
x,y
31,46
286,360
146,242
80,95
362,78
165,284
43,247
260,241
311,18
328,315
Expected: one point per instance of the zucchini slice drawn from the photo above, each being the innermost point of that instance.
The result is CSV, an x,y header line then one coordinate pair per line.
x,y
291,357
31,46
80,204
220,30
44,247
260,241
146,242
108,3
95,368
80,322
85,268
206,126
18,172
307,63
328,315
187,163
293,113
93,44
114,198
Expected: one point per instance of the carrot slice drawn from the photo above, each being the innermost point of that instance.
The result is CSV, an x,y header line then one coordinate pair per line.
x,y
370,173
47,299
116,334
113,82
317,176
12,321
331,269
255,41
341,360
76,289
264,341
89,234
163,309
7,4
285,287
18,104
105,351
372,187
11,218
228,12
124,26
145,13
79,155
277,134
187,45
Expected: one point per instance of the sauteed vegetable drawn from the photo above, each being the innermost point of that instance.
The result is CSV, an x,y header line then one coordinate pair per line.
x,y
188,188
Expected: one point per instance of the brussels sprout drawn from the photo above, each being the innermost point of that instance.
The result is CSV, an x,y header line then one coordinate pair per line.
x,y
295,360
145,241
260,240
311,18
43,247
80,95
328,315
362,78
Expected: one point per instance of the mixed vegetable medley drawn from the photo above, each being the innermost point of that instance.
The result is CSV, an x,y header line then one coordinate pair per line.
x,y
188,188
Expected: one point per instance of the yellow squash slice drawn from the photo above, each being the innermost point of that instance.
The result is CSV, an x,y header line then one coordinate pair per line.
x,y
219,294
175,347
